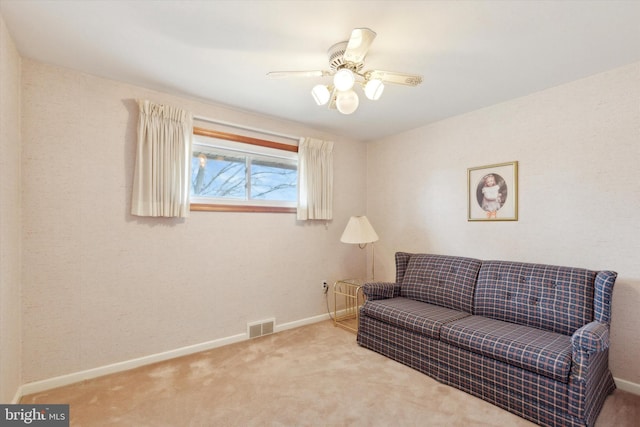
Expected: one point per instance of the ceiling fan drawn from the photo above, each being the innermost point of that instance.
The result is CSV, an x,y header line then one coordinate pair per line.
x,y
346,64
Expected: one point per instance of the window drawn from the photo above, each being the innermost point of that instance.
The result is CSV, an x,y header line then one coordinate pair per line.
x,y
241,176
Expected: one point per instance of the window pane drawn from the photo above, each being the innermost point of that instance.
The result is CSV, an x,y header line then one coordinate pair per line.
x,y
227,173
273,180
218,175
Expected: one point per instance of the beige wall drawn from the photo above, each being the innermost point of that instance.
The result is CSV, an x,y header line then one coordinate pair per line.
x,y
102,286
578,148
10,227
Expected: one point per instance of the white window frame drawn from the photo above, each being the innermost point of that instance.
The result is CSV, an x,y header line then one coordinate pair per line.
x,y
252,151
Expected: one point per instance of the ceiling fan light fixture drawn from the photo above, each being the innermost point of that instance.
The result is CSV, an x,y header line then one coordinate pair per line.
x,y
320,94
347,101
346,67
373,89
344,79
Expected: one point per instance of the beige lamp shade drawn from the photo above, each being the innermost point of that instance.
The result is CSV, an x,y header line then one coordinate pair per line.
x,y
359,231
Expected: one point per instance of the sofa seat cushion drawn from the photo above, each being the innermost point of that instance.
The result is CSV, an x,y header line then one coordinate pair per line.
x,y
542,352
421,317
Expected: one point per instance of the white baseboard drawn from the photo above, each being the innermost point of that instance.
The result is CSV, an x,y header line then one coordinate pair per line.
x,y
302,322
43,385
627,386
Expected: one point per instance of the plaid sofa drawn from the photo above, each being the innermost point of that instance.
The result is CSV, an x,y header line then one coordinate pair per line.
x,y
530,338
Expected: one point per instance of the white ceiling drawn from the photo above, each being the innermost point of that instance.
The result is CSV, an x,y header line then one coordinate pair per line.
x,y
471,53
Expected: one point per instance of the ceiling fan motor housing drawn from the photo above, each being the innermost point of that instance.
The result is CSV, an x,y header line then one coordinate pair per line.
x,y
336,58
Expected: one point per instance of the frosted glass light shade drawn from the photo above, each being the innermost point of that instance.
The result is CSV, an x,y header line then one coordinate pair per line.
x,y
320,94
347,102
344,79
373,89
359,230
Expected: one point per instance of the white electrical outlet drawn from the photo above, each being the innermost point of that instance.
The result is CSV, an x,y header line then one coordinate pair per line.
x,y
325,286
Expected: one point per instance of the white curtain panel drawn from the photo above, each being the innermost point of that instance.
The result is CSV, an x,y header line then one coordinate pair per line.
x,y
162,171
315,179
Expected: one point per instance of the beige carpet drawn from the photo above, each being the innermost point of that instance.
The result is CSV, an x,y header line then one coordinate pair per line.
x,y
311,376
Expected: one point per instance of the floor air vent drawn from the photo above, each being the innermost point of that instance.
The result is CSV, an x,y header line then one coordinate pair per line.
x,y
258,329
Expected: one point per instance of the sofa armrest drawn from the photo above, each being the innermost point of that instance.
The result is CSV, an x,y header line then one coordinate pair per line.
x,y
590,380
380,290
591,338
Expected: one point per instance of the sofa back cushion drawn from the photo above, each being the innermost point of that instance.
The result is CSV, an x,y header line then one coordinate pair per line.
x,y
553,298
447,281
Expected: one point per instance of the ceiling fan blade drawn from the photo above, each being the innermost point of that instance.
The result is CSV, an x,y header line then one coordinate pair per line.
x,y
287,74
393,77
358,46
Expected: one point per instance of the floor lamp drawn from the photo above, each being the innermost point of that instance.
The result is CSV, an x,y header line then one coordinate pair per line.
x,y
359,231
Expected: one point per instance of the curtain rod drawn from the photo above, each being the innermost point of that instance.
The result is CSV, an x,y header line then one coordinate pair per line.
x,y
233,125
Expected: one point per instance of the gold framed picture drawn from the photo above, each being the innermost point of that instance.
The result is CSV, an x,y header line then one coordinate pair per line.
x,y
493,192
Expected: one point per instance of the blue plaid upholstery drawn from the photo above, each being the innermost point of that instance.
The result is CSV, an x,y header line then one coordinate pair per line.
x,y
591,337
417,316
442,280
407,347
380,290
590,383
531,396
542,352
557,299
530,338
402,260
602,298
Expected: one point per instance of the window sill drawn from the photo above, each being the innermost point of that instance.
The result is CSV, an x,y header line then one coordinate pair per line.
x,y
202,207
